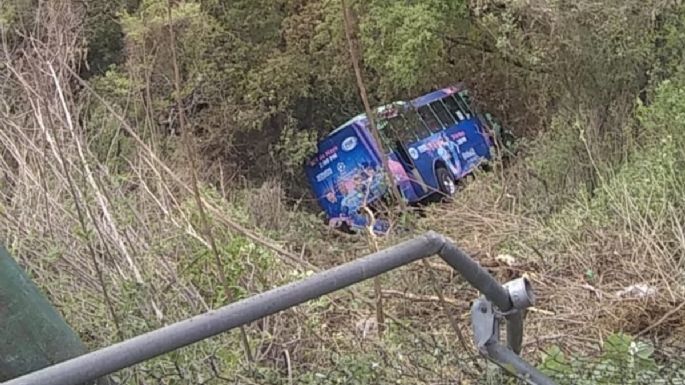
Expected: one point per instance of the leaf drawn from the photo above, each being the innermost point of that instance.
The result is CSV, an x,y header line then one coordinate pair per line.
x,y
554,362
644,350
618,344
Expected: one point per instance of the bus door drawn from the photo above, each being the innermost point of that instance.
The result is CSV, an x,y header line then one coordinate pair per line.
x,y
468,134
397,132
483,124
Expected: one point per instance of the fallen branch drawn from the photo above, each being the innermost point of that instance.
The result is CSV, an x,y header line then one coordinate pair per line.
x,y
662,319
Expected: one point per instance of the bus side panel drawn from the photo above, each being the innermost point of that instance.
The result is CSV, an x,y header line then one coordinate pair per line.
x,y
461,148
471,144
426,153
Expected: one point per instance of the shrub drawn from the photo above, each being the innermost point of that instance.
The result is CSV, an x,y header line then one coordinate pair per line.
x,y
623,360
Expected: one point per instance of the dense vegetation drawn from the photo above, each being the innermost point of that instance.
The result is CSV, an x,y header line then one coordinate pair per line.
x,y
150,156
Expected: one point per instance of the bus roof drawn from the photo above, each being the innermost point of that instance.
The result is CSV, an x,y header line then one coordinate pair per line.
x,y
435,95
361,118
418,102
356,119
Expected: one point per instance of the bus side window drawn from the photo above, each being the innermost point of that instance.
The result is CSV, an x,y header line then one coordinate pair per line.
x,y
465,101
454,107
443,115
464,94
429,119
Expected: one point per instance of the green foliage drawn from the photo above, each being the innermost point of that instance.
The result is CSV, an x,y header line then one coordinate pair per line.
x,y
649,183
8,14
665,116
355,369
645,187
104,35
404,41
115,85
348,369
147,29
624,360
669,45
16,15
559,155
237,254
107,140
294,147
588,38
653,175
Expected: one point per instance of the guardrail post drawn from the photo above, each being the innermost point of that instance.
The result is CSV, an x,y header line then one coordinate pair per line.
x,y
33,335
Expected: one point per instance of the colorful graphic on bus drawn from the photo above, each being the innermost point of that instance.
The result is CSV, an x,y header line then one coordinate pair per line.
x,y
433,140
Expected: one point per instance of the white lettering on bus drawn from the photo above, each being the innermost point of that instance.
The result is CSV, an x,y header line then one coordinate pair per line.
x,y
471,153
328,172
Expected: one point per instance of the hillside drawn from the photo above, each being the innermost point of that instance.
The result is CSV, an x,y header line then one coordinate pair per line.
x,y
151,169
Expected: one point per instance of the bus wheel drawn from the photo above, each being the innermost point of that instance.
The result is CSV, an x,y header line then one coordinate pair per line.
x,y
445,182
487,166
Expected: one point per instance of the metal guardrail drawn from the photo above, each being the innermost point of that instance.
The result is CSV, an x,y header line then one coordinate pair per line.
x,y
498,302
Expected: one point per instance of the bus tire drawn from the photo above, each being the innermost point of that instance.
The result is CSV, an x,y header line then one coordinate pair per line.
x,y
446,185
487,166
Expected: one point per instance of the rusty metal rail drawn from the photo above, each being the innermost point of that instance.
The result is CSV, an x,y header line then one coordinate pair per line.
x,y
498,302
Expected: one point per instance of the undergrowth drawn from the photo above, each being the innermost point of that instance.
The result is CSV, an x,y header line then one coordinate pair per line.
x,y
591,213
580,245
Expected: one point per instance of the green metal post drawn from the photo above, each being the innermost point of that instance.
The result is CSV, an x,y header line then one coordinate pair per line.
x,y
33,335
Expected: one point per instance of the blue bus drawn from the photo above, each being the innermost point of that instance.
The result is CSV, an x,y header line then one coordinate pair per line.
x,y
433,141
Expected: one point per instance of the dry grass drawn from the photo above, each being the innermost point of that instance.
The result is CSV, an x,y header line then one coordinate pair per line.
x,y
119,252
136,238
577,270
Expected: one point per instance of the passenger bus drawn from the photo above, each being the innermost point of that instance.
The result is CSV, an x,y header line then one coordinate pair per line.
x,y
433,141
